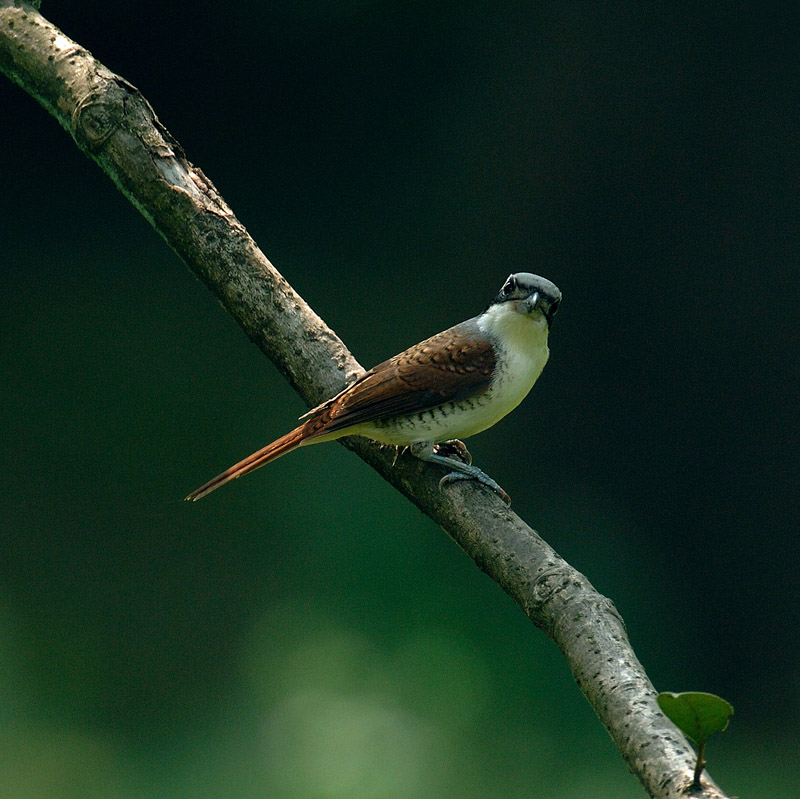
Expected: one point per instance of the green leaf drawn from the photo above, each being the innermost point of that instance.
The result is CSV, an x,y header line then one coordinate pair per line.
x,y
695,713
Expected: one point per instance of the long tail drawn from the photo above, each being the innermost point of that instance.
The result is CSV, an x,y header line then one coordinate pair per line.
x,y
269,453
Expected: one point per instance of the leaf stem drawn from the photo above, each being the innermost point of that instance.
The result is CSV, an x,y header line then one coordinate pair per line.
x,y
698,769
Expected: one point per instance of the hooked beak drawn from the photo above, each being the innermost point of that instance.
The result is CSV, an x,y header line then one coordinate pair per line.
x,y
547,306
531,303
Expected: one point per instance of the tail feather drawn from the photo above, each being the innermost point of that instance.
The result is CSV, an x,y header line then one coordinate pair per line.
x,y
252,462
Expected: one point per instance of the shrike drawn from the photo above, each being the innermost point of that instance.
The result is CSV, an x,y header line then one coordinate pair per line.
x,y
450,386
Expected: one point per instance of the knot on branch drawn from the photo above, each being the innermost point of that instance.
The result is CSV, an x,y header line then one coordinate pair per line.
x,y
95,118
548,585
572,591
551,582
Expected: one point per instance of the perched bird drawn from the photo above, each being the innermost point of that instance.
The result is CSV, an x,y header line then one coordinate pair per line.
x,y
450,386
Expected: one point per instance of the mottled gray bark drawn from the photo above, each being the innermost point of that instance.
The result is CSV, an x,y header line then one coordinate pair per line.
x,y
116,127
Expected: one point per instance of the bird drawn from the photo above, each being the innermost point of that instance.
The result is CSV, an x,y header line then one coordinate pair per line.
x,y
446,388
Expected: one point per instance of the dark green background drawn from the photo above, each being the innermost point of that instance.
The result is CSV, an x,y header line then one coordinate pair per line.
x,y
306,632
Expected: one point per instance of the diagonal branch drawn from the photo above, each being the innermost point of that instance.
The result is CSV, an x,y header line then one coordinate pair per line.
x,y
116,127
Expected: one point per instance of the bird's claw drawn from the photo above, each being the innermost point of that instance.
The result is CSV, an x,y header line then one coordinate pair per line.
x,y
398,451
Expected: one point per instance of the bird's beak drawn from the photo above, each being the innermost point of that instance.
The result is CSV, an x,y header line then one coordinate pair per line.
x,y
531,303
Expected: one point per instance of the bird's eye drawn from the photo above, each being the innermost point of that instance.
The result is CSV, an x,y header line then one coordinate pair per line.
x,y
510,287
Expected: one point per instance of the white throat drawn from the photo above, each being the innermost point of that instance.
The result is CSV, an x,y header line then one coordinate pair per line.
x,y
516,334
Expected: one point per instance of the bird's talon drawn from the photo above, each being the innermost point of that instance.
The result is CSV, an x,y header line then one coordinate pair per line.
x,y
398,451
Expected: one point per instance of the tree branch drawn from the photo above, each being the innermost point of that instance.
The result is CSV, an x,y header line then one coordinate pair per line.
x,y
116,127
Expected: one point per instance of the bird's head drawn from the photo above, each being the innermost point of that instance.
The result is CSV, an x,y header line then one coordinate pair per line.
x,y
528,294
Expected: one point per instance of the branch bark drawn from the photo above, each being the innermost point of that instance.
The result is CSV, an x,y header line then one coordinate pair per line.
x,y
115,126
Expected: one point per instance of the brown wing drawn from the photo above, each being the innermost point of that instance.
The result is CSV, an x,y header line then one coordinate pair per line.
x,y
452,365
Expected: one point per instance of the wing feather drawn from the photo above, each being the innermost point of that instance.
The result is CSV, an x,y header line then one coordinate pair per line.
x,y
450,366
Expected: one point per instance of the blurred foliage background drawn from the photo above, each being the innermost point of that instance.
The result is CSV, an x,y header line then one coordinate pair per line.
x,y
306,632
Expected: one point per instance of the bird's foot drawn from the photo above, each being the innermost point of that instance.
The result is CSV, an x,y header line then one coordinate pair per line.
x,y
459,469
453,449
